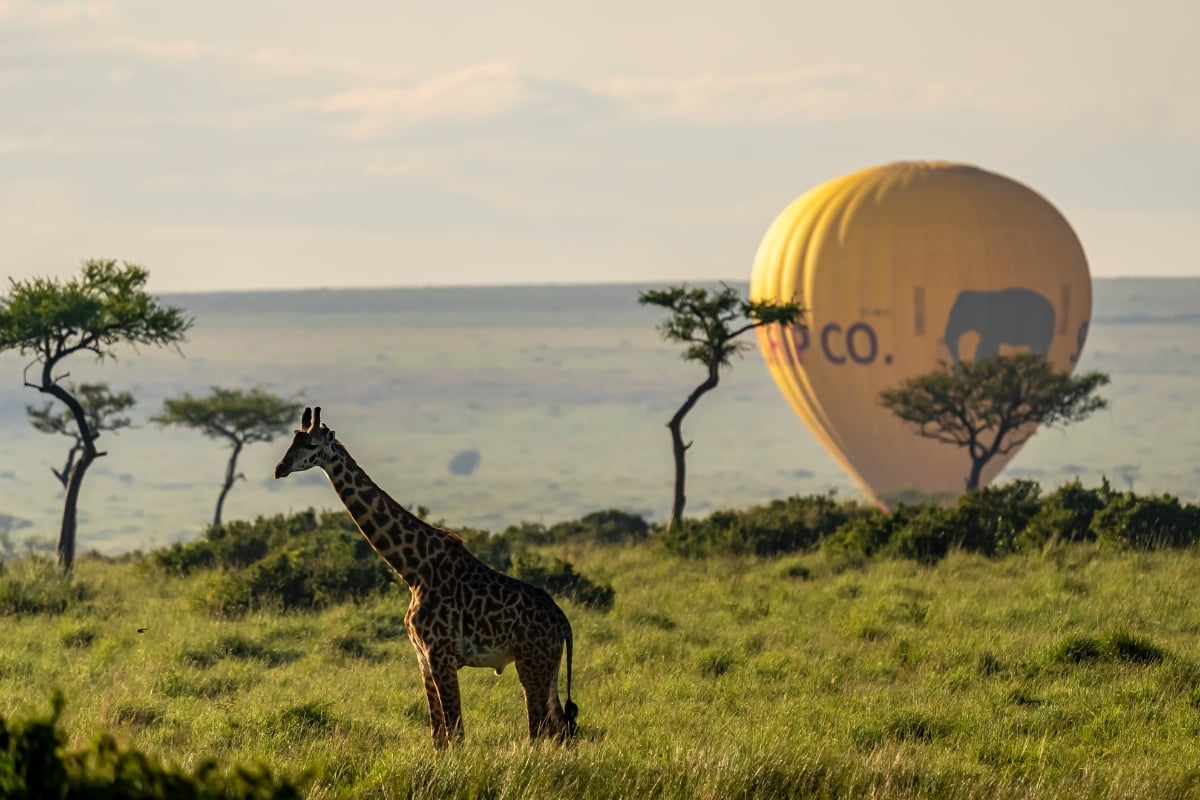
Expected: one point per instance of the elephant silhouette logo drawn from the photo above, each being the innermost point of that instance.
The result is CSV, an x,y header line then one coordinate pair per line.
x,y
1014,317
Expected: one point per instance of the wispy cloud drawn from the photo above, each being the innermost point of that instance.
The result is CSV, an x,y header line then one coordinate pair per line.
x,y
492,91
472,95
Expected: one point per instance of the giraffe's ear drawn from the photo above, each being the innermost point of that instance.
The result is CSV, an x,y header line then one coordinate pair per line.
x,y
316,422
306,419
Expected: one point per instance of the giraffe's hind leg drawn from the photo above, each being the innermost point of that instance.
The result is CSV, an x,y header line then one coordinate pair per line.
x,y
537,680
562,727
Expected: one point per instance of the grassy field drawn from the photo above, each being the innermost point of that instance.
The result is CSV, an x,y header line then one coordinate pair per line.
x,y
1069,674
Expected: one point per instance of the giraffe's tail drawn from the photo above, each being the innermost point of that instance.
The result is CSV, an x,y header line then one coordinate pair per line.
x,y
570,710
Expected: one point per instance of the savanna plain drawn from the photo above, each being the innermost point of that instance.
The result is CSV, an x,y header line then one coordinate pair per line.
x,y
1069,670
1072,673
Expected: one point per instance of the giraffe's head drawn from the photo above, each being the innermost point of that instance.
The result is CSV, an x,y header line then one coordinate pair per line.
x,y
312,446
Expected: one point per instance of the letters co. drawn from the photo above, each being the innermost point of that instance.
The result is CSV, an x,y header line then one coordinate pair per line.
x,y
856,343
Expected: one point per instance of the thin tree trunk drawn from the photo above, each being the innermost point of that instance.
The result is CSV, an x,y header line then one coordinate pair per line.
x,y
66,535
87,454
680,449
230,477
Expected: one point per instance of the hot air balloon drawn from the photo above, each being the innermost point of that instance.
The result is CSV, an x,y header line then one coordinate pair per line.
x,y
902,267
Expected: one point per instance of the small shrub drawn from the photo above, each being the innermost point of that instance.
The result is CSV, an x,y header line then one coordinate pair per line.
x,y
866,535
992,520
926,536
1065,516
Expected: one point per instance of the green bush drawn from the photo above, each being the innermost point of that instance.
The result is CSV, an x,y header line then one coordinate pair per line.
x,y
927,536
1146,523
1065,516
991,520
610,526
240,543
1010,518
867,535
781,526
35,764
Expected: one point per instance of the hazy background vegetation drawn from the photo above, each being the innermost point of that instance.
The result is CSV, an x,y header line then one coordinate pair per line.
x,y
561,394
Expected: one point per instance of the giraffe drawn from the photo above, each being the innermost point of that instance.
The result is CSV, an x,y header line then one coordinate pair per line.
x,y
462,613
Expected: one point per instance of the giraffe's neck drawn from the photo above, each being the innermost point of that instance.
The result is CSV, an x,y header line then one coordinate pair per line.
x,y
409,545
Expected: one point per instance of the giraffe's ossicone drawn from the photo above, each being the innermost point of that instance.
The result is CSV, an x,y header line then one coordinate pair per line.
x,y
463,613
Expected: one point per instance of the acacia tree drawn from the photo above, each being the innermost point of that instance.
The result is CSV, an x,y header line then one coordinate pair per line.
x,y
95,312
709,323
991,406
103,409
241,417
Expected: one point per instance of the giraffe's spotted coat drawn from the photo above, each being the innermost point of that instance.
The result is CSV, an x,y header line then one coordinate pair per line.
x,y
463,613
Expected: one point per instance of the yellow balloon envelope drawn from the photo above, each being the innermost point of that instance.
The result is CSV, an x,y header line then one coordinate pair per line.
x,y
901,267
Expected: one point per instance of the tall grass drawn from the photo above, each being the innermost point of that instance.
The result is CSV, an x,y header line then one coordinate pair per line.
x,y
1070,674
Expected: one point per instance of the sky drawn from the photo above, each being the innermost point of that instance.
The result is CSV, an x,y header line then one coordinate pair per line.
x,y
287,144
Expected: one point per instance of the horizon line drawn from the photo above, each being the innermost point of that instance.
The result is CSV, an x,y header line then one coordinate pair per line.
x,y
556,284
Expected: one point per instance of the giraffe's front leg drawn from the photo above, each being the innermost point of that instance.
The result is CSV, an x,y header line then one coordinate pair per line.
x,y
445,675
437,714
